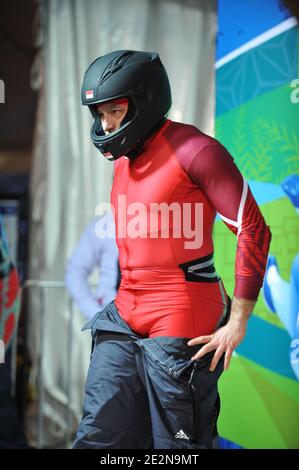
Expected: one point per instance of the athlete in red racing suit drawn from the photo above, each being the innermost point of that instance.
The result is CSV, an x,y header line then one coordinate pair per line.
x,y
149,383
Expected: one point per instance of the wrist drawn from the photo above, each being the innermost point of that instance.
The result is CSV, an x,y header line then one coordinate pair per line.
x,y
241,309
239,321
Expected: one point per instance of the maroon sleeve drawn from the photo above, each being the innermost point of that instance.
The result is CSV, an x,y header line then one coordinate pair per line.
x,y
213,169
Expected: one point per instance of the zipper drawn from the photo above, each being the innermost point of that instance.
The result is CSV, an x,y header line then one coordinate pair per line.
x,y
194,407
191,376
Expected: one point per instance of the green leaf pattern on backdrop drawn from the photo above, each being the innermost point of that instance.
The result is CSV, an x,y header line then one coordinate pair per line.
x,y
262,136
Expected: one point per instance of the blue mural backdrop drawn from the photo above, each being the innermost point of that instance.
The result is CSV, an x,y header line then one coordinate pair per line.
x,y
257,119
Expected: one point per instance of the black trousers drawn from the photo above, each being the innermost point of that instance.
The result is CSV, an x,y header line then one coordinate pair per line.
x,y
146,392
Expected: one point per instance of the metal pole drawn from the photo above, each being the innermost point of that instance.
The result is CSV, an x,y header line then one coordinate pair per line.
x,y
40,378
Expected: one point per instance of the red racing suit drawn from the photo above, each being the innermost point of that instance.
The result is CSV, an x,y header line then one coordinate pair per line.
x,y
169,284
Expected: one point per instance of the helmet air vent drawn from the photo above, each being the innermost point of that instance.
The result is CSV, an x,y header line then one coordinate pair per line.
x,y
115,65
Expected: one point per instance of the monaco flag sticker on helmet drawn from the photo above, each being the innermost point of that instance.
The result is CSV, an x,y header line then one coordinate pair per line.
x,y
89,94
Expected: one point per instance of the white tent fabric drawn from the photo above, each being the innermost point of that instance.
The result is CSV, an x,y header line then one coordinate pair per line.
x,y
69,176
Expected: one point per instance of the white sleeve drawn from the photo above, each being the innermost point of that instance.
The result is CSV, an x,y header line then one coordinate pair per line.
x,y
84,259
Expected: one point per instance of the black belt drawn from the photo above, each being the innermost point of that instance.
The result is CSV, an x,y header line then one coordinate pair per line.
x,y
200,270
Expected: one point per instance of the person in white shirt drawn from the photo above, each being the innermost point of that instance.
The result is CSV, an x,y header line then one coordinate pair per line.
x,y
94,251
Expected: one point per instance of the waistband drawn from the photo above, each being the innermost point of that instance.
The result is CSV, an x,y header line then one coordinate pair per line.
x,y
196,270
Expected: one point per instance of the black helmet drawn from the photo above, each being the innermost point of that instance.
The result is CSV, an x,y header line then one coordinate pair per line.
x,y
138,76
